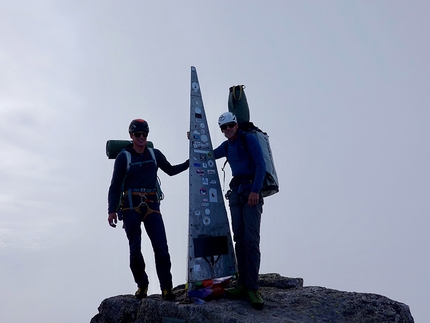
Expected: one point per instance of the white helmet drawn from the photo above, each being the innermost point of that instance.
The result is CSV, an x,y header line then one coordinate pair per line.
x,y
226,117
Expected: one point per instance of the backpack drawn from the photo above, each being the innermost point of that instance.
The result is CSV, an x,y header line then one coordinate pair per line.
x,y
238,105
270,181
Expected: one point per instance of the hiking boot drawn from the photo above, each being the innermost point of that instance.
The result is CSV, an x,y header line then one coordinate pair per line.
x,y
256,299
141,292
237,292
168,295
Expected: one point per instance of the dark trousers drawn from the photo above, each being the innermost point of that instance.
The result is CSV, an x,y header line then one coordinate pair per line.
x,y
246,235
154,226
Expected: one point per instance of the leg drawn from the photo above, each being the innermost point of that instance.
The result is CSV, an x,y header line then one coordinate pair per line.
x,y
154,227
252,221
132,221
238,234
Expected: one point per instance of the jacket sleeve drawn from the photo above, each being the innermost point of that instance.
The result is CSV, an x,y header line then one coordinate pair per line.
x,y
166,167
220,151
117,183
260,166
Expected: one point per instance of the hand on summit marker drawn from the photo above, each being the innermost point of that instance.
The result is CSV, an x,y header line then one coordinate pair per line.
x,y
113,219
253,198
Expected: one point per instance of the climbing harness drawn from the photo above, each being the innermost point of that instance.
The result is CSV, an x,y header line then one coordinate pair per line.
x,y
145,197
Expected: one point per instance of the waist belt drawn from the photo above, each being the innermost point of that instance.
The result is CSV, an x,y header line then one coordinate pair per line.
x,y
143,193
242,179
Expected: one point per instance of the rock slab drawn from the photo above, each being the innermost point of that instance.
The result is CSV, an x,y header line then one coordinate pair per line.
x,y
286,301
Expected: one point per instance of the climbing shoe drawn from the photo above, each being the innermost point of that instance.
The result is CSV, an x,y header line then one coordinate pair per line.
x,y
168,295
256,299
141,292
236,293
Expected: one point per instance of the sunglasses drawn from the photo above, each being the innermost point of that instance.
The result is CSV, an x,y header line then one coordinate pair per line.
x,y
230,125
139,134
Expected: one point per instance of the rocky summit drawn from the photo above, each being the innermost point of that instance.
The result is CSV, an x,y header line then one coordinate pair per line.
x,y
286,300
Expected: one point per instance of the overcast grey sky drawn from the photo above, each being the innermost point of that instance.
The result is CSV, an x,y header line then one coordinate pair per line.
x,y
342,88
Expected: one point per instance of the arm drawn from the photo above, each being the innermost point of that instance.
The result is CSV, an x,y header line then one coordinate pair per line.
x,y
116,188
258,159
166,167
219,152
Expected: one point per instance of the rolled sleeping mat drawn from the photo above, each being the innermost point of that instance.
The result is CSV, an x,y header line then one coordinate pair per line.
x,y
114,147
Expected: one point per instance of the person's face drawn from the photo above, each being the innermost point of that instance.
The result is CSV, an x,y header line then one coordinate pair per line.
x,y
229,130
139,138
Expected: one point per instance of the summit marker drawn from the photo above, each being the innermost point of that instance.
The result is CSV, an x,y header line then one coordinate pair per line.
x,y
210,248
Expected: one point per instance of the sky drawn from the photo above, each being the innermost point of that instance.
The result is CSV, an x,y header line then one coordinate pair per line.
x,y
341,87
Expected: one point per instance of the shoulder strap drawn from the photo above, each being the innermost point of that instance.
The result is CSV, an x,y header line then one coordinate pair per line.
x,y
244,142
151,150
128,155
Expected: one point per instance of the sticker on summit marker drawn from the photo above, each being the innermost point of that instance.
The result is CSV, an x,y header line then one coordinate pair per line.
x,y
206,220
213,195
195,86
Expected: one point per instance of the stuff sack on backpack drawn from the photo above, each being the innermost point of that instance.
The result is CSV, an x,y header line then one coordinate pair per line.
x,y
270,182
238,104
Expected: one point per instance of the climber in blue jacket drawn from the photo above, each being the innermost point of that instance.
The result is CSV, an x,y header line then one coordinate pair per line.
x,y
244,154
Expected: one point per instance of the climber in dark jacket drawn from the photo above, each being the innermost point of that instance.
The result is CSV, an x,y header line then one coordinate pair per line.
x,y
133,197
